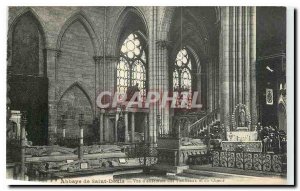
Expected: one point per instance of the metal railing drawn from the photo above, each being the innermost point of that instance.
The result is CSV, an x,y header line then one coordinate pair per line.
x,y
183,126
258,161
202,124
145,152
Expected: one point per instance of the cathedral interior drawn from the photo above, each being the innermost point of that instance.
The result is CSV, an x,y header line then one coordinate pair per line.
x,y
59,59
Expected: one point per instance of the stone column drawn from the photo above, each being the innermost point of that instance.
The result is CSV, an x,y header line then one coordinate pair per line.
x,y
52,56
224,72
210,86
107,135
126,126
110,73
253,63
132,127
116,124
198,77
233,59
247,60
240,59
101,133
101,77
152,58
163,80
23,144
237,59
97,90
217,83
81,126
146,129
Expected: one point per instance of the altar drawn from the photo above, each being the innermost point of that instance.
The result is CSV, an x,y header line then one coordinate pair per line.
x,y
241,136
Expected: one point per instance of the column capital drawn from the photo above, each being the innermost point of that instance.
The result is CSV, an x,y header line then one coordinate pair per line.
x,y
164,43
97,59
56,51
112,58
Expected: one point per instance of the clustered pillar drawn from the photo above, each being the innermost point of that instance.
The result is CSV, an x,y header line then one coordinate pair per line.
x,y
126,127
237,61
163,82
132,127
52,55
153,83
101,128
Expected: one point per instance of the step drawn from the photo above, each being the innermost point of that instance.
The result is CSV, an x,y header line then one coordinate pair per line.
x,y
218,178
234,171
202,173
169,168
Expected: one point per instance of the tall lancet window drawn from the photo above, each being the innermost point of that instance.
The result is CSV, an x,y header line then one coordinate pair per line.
x,y
131,69
182,76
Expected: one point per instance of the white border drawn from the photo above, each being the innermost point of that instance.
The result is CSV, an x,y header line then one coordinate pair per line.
x,y
290,94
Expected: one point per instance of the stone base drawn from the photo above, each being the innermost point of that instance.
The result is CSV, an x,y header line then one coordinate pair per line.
x,y
169,169
248,146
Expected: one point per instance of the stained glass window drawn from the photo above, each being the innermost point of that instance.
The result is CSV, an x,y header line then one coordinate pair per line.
x,y
175,79
186,80
182,78
131,68
122,73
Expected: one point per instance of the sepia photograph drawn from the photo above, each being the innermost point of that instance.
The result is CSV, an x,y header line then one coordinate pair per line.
x,y
148,95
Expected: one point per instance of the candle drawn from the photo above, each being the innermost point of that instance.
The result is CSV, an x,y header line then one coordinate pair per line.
x,y
81,136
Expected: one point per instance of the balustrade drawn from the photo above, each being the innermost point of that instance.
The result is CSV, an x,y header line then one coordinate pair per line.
x,y
186,127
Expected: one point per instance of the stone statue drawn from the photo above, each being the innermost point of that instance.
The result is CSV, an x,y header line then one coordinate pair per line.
x,y
242,118
131,90
121,129
11,130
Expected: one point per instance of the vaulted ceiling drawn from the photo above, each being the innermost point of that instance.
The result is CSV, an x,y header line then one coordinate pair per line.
x,y
196,27
132,23
270,30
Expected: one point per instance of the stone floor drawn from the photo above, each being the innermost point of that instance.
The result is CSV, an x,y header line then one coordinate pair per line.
x,y
236,171
206,175
195,175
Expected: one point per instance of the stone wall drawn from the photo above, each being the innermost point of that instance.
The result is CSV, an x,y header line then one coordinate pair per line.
x,y
76,65
81,53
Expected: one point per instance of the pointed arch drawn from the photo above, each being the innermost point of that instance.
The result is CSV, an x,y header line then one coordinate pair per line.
x,y
132,66
196,58
218,14
116,32
142,35
14,21
72,103
183,66
87,24
165,23
79,86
